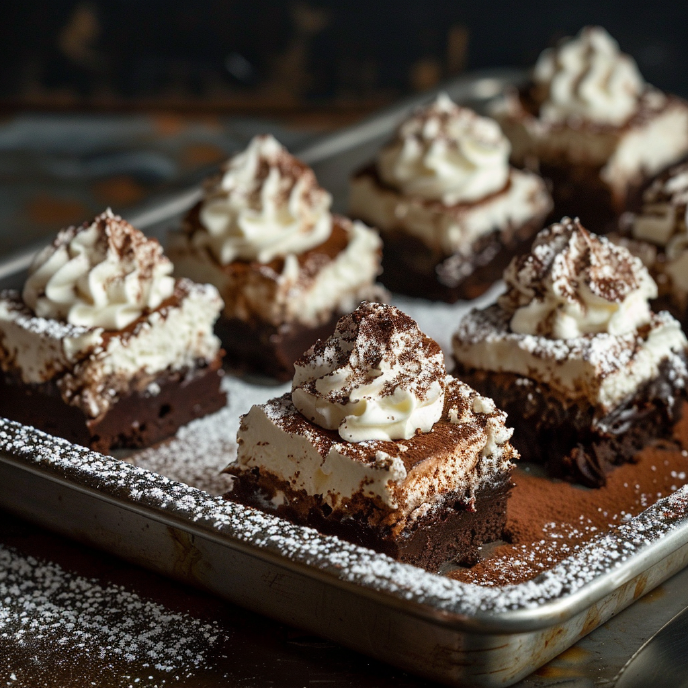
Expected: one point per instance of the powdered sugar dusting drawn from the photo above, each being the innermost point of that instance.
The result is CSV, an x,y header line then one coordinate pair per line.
x,y
52,609
203,448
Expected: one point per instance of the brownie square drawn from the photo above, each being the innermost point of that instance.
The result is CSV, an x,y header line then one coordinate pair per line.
x,y
571,431
426,501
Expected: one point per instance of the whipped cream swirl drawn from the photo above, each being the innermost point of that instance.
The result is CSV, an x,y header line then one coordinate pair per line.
x,y
103,274
448,153
588,77
574,283
378,377
265,205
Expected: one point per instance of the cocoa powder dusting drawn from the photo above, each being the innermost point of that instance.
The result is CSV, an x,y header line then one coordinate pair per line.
x,y
363,340
548,520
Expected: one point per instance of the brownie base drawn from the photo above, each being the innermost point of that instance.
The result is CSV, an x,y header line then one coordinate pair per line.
x,y
578,191
258,347
410,267
134,420
566,436
450,533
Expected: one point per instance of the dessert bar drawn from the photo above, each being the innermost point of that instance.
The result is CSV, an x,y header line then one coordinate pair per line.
x,y
450,210
590,124
376,444
103,347
285,266
586,372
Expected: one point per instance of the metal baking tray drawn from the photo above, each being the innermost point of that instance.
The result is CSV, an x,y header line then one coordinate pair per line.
x,y
453,632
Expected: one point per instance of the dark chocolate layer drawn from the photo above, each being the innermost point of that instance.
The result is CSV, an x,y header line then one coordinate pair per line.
x,y
266,349
451,532
569,436
134,420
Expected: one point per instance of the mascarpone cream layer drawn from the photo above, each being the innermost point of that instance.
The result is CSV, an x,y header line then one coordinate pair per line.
x,y
605,369
91,366
275,438
290,296
449,229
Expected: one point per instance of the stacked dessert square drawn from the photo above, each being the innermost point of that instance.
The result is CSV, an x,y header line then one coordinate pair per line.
x,y
285,266
450,209
378,445
103,347
587,373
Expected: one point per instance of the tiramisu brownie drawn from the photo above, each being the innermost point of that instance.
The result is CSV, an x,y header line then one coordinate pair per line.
x,y
590,124
658,234
586,372
376,444
285,266
450,209
103,347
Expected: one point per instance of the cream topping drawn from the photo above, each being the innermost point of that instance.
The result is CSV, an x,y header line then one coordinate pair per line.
x,y
588,77
103,274
602,368
448,153
377,377
574,283
663,219
266,204
93,368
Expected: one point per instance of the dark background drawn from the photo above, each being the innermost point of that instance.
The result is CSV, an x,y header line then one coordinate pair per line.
x,y
114,102
258,55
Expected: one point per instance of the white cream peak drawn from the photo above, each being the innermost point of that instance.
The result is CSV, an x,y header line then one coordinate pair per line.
x,y
448,153
588,77
266,204
378,377
574,283
103,274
